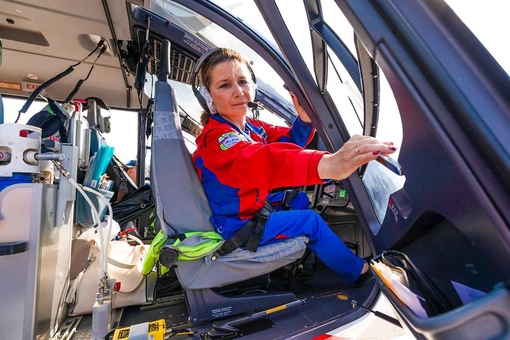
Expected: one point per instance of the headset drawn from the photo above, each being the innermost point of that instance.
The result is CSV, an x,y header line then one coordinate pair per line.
x,y
51,121
196,87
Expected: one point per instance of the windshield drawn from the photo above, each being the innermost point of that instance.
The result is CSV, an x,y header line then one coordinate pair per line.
x,y
217,36
341,87
341,83
345,90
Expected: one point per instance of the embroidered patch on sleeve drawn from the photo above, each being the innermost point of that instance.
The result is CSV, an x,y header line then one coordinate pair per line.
x,y
229,139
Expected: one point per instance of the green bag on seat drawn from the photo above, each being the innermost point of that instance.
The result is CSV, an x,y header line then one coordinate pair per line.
x,y
190,246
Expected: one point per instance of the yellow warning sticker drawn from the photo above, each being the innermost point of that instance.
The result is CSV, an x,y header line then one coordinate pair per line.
x,y
10,86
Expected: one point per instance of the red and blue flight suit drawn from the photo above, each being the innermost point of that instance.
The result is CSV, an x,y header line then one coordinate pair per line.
x,y
238,169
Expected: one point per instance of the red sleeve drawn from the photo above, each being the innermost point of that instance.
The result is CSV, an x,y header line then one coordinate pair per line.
x,y
240,163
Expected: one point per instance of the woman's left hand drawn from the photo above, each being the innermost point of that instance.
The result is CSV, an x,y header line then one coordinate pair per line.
x,y
299,109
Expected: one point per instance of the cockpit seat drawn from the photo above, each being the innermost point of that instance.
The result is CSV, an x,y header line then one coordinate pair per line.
x,y
182,206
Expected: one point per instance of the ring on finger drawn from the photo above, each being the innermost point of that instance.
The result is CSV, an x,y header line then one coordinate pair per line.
x,y
356,150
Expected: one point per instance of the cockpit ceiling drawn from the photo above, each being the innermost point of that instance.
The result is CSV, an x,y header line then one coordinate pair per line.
x,y
45,38
21,29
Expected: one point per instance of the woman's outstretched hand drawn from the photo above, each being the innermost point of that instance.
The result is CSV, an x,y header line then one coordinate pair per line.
x,y
358,150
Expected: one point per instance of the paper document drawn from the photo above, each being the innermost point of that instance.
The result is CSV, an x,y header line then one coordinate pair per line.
x,y
467,294
394,281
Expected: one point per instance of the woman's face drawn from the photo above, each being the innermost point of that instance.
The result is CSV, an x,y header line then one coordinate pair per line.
x,y
231,88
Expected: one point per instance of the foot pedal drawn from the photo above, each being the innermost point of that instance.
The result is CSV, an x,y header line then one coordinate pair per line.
x,y
248,328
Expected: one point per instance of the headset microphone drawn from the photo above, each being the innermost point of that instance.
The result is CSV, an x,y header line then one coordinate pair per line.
x,y
254,105
255,109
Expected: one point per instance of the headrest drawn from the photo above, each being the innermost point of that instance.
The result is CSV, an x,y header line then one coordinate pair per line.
x,y
51,121
47,121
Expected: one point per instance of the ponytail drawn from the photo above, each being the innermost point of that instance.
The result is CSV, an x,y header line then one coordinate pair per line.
x,y
204,118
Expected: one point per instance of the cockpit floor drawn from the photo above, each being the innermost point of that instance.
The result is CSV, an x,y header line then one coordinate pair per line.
x,y
326,298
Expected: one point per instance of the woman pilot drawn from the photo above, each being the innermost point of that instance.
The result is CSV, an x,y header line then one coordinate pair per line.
x,y
240,160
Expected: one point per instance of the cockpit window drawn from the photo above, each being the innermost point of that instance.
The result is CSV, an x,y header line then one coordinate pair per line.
x,y
378,180
347,93
341,86
334,65
294,15
338,22
216,36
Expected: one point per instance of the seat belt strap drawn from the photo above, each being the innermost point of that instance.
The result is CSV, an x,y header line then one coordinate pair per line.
x,y
259,225
250,233
288,196
236,240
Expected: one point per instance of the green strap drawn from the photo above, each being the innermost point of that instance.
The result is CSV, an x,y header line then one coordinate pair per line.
x,y
194,245
197,244
153,253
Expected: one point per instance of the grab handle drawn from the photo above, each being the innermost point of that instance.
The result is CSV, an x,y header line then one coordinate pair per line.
x,y
13,248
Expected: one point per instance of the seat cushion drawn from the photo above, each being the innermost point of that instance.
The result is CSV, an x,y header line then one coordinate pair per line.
x,y
239,265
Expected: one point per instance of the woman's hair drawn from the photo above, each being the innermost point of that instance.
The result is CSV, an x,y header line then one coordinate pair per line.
x,y
221,55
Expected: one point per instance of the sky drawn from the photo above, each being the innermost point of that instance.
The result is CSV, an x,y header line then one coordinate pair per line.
x,y
488,19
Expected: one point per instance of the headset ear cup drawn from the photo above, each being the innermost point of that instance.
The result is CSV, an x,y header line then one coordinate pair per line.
x,y
206,96
201,99
194,79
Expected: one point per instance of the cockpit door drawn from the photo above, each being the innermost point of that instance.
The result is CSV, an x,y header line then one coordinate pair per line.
x,y
414,74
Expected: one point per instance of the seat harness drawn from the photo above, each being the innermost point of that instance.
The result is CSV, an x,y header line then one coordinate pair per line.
x,y
250,234
247,237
